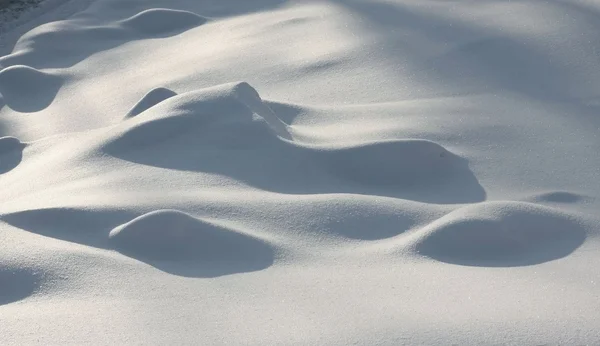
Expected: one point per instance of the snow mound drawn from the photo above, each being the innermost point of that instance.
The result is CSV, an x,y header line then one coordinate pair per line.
x,y
152,98
226,116
26,89
185,132
415,169
17,283
498,234
158,21
65,43
397,162
176,236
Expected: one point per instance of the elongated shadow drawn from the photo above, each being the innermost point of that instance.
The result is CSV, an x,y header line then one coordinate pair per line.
x,y
211,269
421,171
85,227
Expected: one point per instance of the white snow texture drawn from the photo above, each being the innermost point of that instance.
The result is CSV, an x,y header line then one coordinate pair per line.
x,y
286,172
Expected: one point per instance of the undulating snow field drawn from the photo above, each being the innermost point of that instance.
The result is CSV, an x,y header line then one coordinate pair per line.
x,y
270,172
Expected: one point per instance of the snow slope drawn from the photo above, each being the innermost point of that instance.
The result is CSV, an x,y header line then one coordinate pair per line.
x,y
371,172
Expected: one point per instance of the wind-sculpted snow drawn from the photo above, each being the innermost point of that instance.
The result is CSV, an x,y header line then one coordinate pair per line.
x,y
152,98
168,235
501,234
68,42
17,283
275,172
187,132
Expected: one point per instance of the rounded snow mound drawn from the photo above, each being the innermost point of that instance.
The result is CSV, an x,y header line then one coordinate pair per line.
x,y
395,162
26,89
501,234
225,116
151,99
175,236
161,21
65,43
17,284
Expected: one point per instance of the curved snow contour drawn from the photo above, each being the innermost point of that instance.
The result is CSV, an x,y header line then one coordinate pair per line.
x,y
396,162
82,226
26,89
157,21
263,152
17,283
498,234
11,153
65,43
361,217
151,99
170,235
414,169
226,116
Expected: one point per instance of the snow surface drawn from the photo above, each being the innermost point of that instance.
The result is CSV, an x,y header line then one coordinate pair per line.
x,y
272,172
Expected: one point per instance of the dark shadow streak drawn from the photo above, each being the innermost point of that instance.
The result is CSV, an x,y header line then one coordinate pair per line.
x,y
227,142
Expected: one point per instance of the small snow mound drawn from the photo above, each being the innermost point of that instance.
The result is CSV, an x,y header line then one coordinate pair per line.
x,y
152,98
17,284
176,236
162,21
26,89
397,162
501,234
9,144
225,116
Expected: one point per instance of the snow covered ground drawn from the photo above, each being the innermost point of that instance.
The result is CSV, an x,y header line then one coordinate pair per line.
x,y
271,172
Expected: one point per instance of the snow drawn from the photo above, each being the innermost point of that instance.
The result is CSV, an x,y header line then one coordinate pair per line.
x,y
371,172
